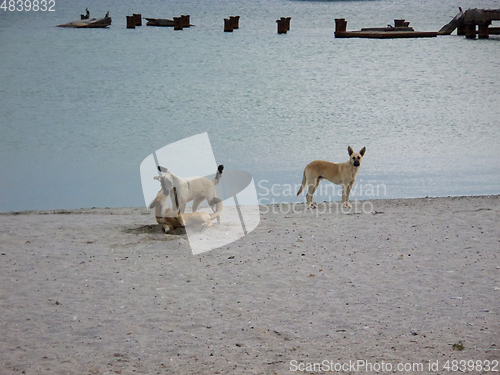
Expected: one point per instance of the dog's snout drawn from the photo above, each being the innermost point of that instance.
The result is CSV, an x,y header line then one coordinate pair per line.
x,y
356,163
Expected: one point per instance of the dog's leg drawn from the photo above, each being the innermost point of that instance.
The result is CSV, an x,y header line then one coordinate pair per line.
x,y
167,228
217,207
197,202
346,191
214,209
182,206
311,189
180,217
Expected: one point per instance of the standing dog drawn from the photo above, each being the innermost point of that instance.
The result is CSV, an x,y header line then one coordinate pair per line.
x,y
341,174
195,189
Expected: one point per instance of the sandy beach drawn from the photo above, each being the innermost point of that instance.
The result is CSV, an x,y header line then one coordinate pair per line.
x,y
409,287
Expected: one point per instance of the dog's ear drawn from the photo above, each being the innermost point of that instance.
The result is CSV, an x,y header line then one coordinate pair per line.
x,y
350,150
221,168
362,151
162,169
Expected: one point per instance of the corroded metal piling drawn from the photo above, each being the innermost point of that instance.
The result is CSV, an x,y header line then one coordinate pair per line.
x,y
185,20
137,19
340,26
235,21
178,23
481,18
133,21
473,22
401,23
287,22
228,25
130,22
231,23
283,24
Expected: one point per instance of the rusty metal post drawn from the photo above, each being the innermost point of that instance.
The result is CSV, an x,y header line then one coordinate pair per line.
x,y
186,22
287,22
470,22
483,31
228,25
470,31
137,19
130,22
178,23
281,26
399,23
340,26
234,21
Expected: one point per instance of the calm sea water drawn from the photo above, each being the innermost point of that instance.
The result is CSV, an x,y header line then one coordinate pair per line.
x,y
80,109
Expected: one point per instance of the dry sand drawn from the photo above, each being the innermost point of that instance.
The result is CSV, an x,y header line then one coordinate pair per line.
x,y
103,291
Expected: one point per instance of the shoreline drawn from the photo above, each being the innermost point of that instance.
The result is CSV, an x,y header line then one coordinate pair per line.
x,y
104,291
144,209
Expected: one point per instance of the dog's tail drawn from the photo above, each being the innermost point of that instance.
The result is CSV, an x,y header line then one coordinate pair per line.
x,y
304,180
218,208
218,175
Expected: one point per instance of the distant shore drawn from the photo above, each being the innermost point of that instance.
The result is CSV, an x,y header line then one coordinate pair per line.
x,y
410,282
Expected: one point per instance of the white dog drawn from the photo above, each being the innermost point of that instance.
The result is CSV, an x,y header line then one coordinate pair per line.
x,y
171,219
184,190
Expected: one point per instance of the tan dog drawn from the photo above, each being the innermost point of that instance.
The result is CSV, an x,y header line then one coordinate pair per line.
x,y
171,219
341,174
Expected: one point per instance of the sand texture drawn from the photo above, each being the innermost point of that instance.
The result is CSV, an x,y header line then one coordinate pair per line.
x,y
104,291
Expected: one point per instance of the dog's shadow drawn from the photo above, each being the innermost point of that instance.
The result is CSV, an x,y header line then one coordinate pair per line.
x,y
155,229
